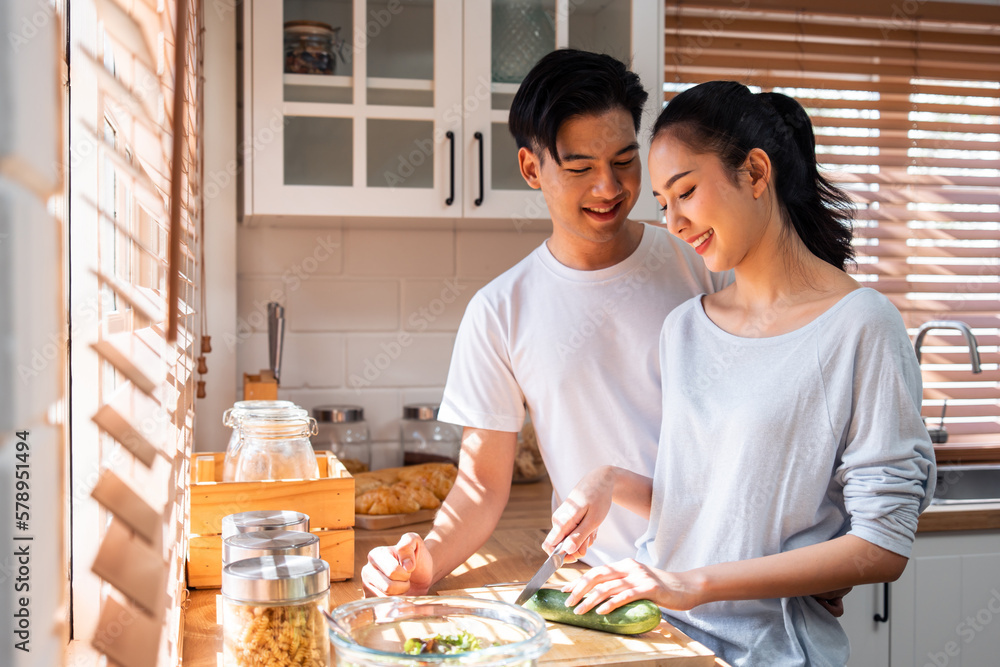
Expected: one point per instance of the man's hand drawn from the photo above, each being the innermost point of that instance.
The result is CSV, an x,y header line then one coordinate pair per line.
x,y
465,521
404,569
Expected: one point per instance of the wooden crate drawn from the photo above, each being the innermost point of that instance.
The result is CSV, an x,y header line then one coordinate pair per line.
x,y
329,502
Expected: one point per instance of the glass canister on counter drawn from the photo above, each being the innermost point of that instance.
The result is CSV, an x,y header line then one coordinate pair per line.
x,y
272,612
425,439
269,543
276,447
264,520
344,431
231,418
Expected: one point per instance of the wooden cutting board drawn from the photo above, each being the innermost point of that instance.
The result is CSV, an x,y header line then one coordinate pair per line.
x,y
573,646
382,521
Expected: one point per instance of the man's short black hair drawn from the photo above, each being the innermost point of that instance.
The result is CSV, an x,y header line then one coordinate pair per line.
x,y
567,83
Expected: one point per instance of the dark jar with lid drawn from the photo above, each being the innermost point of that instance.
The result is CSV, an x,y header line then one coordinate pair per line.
x,y
311,47
425,439
342,429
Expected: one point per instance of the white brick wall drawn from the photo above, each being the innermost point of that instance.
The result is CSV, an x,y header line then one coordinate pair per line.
x,y
488,254
403,253
371,314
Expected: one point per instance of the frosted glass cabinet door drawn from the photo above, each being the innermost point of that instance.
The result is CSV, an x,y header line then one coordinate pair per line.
x,y
350,119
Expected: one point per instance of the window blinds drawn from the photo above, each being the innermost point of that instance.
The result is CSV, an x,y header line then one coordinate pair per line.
x,y
906,110
135,166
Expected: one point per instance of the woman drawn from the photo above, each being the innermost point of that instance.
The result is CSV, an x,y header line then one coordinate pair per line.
x,y
793,459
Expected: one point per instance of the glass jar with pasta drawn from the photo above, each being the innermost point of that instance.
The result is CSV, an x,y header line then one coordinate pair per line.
x,y
272,612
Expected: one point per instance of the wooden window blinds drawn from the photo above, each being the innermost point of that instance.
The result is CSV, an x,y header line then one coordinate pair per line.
x,y
905,103
134,160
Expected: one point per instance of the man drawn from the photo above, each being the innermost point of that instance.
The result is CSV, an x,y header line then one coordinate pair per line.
x,y
570,332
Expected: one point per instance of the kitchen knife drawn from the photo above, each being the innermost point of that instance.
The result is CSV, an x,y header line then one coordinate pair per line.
x,y
279,342
272,334
548,568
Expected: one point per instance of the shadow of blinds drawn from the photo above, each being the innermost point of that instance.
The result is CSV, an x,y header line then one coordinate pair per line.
x,y
145,216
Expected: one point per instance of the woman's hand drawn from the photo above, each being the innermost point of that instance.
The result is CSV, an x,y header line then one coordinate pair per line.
x,y
404,569
577,519
833,601
610,586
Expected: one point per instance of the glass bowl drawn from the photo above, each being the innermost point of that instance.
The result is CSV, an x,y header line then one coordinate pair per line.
x,y
371,632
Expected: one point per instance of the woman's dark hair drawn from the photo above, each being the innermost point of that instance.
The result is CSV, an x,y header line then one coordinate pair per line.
x,y
725,118
567,83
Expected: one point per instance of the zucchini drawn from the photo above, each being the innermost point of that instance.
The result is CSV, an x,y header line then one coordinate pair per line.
x,y
631,619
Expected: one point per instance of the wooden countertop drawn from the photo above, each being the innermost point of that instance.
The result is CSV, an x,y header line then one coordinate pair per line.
x,y
938,518
512,553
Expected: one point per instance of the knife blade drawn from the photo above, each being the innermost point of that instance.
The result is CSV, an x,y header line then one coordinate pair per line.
x,y
279,341
548,568
272,334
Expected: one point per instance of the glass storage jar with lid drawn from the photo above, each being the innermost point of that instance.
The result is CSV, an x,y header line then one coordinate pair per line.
x,y
264,520
344,431
276,447
231,418
425,439
269,543
312,47
272,611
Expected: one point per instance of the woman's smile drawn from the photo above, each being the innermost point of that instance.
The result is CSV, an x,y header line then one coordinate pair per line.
x,y
700,242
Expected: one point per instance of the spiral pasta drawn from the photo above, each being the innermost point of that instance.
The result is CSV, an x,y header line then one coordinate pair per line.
x,y
280,636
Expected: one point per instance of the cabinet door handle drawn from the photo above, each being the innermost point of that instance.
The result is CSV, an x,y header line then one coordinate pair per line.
x,y
479,138
884,616
451,174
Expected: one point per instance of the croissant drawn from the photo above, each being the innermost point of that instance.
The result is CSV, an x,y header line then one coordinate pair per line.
x,y
438,477
385,500
419,493
363,483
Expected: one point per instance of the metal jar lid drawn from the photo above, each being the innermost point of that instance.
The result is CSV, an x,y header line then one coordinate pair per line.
x,y
310,27
269,543
339,413
275,579
421,411
248,522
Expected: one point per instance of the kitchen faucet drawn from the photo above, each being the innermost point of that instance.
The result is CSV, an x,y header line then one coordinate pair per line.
x,y
961,327
940,435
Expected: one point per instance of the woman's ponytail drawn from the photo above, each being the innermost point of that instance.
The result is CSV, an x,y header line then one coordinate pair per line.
x,y
820,212
725,118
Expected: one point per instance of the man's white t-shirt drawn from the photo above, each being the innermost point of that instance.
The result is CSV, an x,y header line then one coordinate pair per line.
x,y
579,350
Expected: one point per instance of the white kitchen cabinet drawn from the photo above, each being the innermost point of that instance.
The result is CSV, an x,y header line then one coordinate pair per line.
x,y
869,637
371,139
946,607
413,125
944,610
